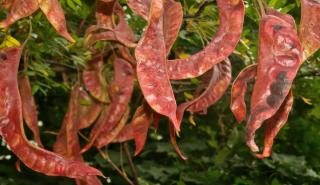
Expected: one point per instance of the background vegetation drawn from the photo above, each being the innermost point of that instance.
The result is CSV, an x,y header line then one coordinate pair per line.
x,y
215,147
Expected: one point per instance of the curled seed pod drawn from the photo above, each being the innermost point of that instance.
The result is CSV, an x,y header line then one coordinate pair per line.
x,y
106,138
221,46
11,126
29,108
67,142
89,109
18,10
174,141
280,56
121,90
217,86
125,134
151,66
309,27
274,124
214,84
238,92
140,7
104,13
94,79
54,12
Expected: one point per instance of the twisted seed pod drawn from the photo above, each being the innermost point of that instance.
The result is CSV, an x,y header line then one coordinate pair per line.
x,y
274,124
121,89
29,108
238,92
11,126
280,56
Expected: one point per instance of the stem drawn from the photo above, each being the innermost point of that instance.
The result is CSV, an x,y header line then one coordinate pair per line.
x,y
107,158
202,7
262,10
132,166
29,34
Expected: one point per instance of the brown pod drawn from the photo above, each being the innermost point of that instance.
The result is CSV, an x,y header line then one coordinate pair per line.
x,y
309,27
29,108
94,80
54,12
280,56
121,90
221,46
19,9
274,124
238,92
12,131
214,84
151,66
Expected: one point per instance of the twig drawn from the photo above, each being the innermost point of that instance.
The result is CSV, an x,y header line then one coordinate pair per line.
x,y
132,166
262,10
29,34
202,7
107,158
310,74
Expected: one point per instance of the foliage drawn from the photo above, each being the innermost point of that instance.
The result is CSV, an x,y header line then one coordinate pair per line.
x,y
215,147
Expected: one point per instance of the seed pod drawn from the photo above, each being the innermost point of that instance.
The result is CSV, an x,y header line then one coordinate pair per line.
x,y
274,124
67,142
94,79
29,108
104,13
121,89
238,92
151,66
280,56
54,12
89,109
106,138
214,84
11,126
140,7
174,141
221,46
19,9
309,27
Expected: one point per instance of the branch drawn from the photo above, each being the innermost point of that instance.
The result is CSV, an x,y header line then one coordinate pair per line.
x,y
132,166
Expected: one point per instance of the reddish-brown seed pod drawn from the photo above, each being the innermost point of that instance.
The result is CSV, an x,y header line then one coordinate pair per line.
x,y
309,27
89,109
151,66
222,45
29,108
104,13
6,4
106,138
94,79
141,123
54,12
280,56
125,134
238,92
220,80
121,91
18,10
174,143
12,131
140,7
214,84
67,142
274,124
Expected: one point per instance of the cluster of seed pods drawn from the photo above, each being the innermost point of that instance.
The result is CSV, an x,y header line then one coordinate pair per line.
x,y
107,109
281,52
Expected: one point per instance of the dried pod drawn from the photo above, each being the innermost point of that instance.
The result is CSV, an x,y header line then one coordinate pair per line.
x,y
274,124
94,80
89,109
214,84
151,66
11,126
121,90
309,27
29,108
54,12
280,56
221,46
238,92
